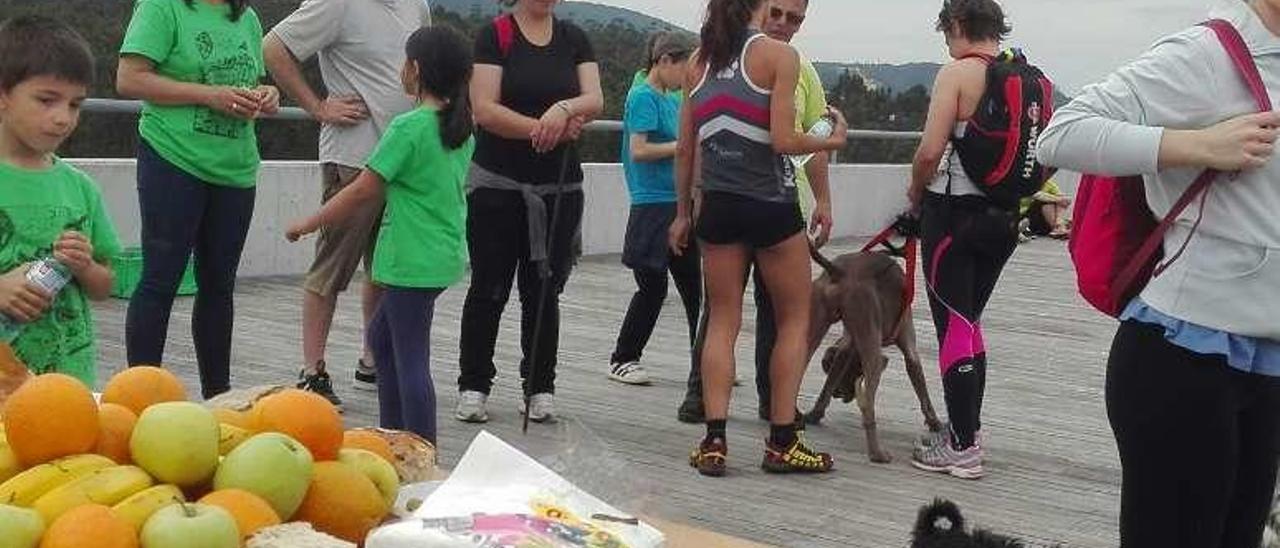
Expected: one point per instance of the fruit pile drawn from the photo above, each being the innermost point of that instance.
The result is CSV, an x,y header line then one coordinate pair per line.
x,y
147,468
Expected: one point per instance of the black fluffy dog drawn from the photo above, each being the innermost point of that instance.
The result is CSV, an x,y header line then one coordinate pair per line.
x,y
931,532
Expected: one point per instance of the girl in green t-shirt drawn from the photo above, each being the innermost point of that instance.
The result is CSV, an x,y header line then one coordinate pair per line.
x,y
420,166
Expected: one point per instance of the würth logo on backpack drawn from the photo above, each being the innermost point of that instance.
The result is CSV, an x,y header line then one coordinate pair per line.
x,y
998,148
1029,159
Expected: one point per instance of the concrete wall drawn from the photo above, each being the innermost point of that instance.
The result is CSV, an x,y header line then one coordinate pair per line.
x,y
865,198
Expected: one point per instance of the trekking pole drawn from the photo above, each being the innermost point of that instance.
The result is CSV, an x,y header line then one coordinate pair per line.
x,y
547,276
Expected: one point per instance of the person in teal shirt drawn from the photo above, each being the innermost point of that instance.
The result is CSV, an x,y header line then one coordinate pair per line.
x,y
648,159
420,166
197,64
48,208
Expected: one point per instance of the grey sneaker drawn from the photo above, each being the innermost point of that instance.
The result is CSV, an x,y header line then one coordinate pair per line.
x,y
471,407
321,384
629,373
542,407
366,377
943,458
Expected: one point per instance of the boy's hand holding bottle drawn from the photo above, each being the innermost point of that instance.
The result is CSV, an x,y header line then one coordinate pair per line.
x,y
20,300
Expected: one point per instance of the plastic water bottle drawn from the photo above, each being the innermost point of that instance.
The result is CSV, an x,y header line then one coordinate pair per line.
x,y
48,275
824,127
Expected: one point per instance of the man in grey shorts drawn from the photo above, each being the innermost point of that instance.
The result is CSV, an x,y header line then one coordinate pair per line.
x,y
360,45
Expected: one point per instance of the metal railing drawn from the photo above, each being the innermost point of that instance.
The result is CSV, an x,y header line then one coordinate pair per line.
x,y
130,107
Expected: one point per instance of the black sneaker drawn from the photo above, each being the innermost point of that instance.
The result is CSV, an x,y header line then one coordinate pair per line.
x,y
366,377
321,384
691,412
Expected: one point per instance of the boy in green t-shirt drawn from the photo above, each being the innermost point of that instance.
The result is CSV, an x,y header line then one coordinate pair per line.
x,y
48,208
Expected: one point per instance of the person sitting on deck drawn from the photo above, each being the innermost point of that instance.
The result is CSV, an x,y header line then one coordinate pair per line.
x,y
1045,213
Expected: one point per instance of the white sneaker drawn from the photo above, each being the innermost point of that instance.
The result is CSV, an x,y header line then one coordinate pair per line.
x,y
629,373
542,407
471,407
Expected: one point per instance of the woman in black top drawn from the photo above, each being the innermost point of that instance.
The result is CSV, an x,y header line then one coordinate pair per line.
x,y
536,82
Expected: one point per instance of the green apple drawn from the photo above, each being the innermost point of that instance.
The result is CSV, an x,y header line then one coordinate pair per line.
x,y
271,465
20,527
176,442
378,470
191,526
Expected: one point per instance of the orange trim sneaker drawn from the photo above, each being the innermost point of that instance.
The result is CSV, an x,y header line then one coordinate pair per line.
x,y
709,457
798,458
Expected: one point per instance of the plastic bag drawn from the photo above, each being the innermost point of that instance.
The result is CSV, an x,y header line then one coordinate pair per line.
x,y
500,497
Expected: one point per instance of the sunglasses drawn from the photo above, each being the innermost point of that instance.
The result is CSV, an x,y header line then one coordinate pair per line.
x,y
793,18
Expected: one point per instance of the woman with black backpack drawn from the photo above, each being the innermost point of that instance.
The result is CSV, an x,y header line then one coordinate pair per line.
x,y
967,237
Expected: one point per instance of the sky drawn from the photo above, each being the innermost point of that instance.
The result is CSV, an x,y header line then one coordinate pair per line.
x,y
1076,41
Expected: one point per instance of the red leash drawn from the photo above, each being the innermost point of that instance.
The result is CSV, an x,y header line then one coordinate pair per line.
x,y
911,253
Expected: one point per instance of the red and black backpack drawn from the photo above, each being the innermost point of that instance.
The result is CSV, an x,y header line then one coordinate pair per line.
x,y
998,148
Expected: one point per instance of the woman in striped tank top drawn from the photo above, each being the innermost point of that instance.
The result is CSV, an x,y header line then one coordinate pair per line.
x,y
740,113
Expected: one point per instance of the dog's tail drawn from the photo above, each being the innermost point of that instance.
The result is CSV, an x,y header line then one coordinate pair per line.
x,y
927,524
829,267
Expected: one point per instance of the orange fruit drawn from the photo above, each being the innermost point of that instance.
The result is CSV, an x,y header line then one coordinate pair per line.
x,y
234,418
342,502
116,427
303,416
250,511
141,387
51,416
369,441
90,526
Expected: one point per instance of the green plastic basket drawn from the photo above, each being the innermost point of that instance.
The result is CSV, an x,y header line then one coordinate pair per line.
x,y
128,270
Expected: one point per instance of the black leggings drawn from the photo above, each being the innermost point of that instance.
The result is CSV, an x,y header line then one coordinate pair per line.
x,y
498,240
184,216
646,304
966,245
1198,444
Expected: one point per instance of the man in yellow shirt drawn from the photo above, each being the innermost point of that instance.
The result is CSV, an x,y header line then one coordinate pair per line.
x,y
785,19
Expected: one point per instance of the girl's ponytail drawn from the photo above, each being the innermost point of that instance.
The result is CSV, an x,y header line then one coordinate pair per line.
x,y
444,62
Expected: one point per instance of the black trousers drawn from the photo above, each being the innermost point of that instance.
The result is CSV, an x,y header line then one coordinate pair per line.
x,y
498,240
646,304
1198,440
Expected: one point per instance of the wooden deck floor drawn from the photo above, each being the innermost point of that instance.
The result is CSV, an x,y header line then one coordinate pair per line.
x,y
1052,469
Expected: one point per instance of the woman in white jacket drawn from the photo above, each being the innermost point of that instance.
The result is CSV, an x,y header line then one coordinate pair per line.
x,y
1193,379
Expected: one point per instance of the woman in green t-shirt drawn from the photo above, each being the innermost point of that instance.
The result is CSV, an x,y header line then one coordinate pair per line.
x,y
197,64
420,166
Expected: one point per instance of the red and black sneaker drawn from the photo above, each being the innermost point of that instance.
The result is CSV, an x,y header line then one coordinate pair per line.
x,y
709,457
798,458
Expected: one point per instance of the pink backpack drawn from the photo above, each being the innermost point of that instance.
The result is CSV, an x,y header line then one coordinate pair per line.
x,y
1116,243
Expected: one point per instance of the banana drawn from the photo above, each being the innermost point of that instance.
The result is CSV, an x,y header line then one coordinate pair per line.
x,y
24,488
106,486
139,507
9,466
230,437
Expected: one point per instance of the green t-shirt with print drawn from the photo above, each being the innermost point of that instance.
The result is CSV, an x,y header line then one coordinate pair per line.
x,y
200,44
422,242
36,207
